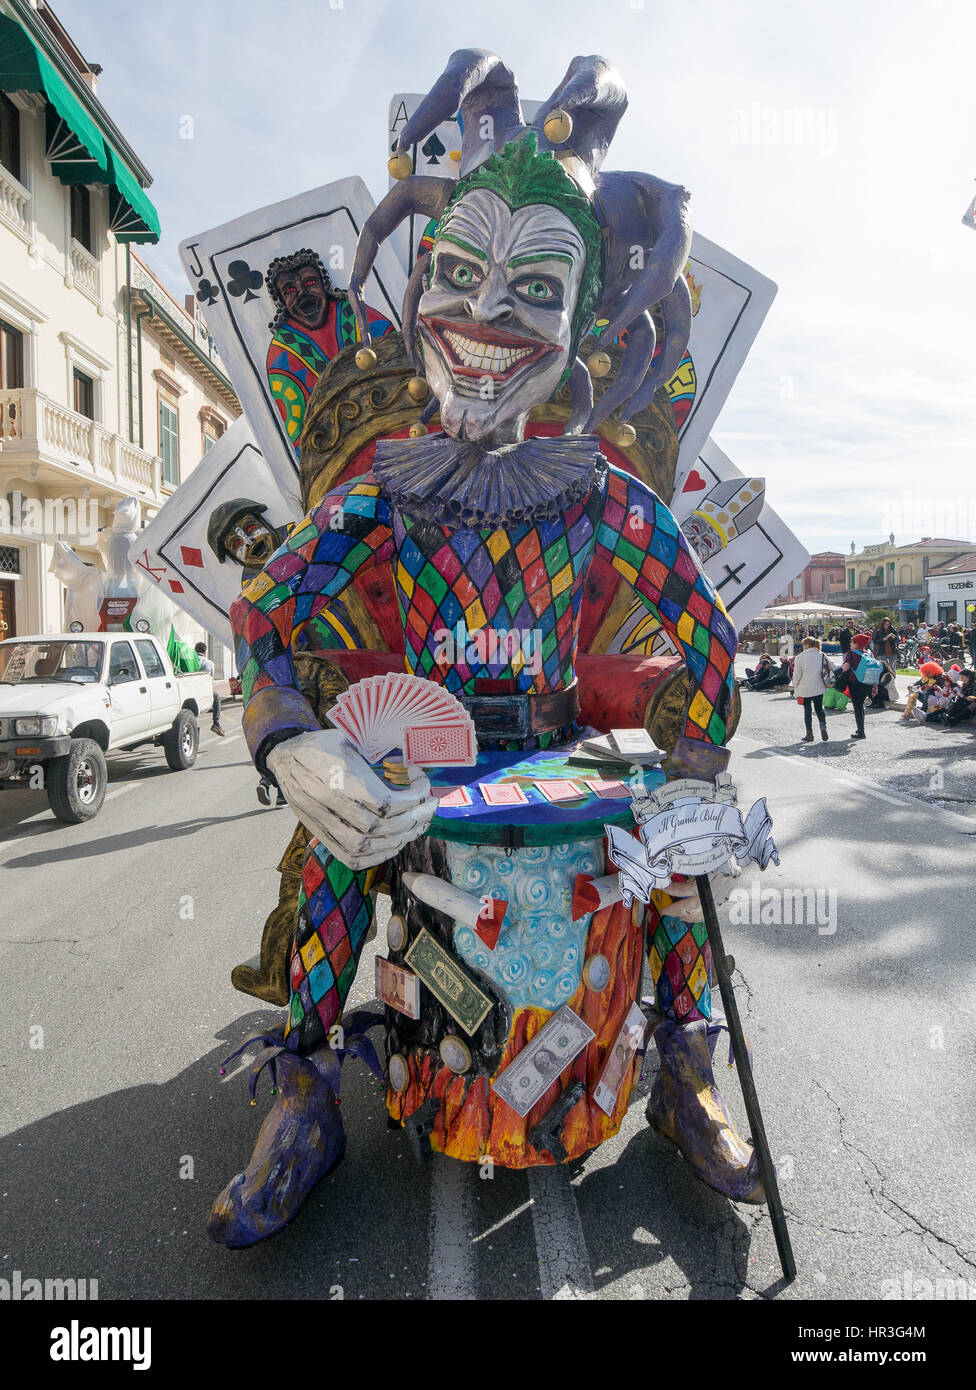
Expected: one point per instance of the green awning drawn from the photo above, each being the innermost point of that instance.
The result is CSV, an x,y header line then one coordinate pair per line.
x,y
74,143
78,151
132,216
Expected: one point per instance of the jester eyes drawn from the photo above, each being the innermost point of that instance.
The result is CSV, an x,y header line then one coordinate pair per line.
x,y
539,290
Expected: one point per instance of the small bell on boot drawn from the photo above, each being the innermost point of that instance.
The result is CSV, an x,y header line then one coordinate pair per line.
x,y
686,1106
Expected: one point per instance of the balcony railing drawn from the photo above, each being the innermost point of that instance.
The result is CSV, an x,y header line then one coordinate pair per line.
x,y
85,271
35,428
14,203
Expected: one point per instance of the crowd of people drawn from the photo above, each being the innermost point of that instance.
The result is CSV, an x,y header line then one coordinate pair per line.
x,y
866,675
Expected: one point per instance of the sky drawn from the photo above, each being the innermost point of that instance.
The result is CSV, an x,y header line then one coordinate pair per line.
x,y
858,401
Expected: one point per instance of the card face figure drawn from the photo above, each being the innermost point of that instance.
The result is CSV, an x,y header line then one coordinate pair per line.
x,y
179,548
760,561
273,369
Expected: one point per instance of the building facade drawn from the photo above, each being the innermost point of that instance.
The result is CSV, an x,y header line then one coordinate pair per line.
x,y
109,386
894,577
822,576
952,591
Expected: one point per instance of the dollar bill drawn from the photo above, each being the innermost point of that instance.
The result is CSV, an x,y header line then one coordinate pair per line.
x,y
529,1075
398,988
619,1058
448,982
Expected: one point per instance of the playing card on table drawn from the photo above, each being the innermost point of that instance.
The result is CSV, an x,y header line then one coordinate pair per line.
x,y
452,796
273,374
610,791
559,789
174,552
503,794
440,745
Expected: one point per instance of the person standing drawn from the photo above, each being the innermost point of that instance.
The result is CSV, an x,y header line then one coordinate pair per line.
x,y
848,682
844,638
207,665
884,640
809,686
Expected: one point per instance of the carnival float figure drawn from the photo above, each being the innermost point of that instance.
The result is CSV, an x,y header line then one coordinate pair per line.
x,y
485,529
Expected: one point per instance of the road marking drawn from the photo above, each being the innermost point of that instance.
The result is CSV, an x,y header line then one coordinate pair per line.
x,y
564,1262
121,791
230,738
452,1266
863,784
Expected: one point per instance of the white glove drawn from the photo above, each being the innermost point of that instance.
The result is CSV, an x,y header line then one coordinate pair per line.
x,y
332,789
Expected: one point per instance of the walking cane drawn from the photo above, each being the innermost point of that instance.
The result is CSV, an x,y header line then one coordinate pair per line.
x,y
741,1054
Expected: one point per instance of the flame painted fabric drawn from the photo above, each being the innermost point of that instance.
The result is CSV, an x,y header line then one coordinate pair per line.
x,y
528,577
297,357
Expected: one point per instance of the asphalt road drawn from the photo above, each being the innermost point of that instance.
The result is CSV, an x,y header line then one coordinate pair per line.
x,y
116,1130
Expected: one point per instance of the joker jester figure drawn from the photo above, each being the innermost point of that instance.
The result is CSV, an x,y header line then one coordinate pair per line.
x,y
485,527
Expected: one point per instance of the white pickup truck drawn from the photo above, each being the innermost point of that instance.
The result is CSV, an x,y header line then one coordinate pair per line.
x,y
67,700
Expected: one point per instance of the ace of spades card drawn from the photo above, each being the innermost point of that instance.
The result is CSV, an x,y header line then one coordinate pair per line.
x,y
431,157
174,550
273,372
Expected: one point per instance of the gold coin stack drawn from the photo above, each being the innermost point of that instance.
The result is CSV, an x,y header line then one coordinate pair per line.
x,y
395,772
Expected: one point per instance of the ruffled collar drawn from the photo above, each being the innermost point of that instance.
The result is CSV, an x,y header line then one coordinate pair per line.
x,y
458,484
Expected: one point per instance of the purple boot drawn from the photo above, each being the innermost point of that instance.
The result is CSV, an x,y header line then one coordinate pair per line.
x,y
686,1106
301,1140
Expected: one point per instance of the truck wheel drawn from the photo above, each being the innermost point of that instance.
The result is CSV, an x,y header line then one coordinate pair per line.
x,y
76,783
181,741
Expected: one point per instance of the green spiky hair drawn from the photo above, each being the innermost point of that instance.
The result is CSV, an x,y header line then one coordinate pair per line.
x,y
521,177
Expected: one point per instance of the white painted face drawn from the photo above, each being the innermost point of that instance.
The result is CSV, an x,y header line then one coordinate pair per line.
x,y
496,321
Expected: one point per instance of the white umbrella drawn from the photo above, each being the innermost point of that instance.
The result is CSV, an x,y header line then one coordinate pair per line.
x,y
814,610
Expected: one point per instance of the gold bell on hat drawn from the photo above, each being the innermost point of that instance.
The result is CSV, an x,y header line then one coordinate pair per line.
x,y
620,434
558,126
599,364
400,165
417,389
365,359
417,429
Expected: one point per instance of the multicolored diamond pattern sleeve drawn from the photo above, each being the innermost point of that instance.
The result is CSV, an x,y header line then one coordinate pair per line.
x,y
349,531
640,538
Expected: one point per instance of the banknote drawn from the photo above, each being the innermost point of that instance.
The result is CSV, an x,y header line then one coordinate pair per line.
x,y
542,1060
448,982
398,988
619,1057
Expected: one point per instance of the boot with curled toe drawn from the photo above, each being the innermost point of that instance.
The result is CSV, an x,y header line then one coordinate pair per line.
x,y
301,1140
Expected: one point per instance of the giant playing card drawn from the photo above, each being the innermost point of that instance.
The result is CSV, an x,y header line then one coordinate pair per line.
x,y
276,337
174,550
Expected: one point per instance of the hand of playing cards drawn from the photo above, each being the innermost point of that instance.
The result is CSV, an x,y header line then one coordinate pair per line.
x,y
357,815
395,710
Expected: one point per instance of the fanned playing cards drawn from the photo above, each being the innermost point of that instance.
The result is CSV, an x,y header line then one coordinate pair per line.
x,y
396,710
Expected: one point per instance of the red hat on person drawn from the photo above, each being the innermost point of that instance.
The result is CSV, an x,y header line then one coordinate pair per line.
x,y
861,639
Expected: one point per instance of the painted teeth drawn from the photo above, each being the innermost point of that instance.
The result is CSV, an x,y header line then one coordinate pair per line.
x,y
491,357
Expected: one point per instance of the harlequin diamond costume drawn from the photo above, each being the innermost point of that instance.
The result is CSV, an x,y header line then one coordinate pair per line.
x,y
487,531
